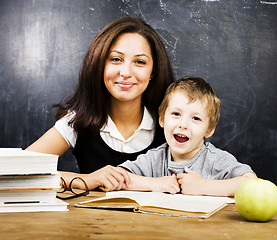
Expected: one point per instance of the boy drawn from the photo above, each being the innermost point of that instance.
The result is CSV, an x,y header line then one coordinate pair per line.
x,y
189,113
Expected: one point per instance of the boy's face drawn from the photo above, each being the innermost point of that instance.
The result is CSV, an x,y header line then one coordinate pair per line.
x,y
185,126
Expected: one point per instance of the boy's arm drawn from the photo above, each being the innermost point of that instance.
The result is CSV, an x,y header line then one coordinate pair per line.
x,y
167,184
192,183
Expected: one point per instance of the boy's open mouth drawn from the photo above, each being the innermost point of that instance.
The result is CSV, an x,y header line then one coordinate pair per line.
x,y
181,138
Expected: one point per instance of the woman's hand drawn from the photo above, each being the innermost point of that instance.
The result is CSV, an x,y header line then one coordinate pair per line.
x,y
108,178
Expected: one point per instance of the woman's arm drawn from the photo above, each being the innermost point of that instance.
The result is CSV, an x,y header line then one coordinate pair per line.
x,y
51,142
107,178
192,183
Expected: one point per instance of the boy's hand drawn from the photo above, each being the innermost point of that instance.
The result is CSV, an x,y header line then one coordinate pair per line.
x,y
167,184
190,182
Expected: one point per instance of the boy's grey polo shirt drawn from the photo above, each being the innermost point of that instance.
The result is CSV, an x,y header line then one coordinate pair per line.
x,y
210,162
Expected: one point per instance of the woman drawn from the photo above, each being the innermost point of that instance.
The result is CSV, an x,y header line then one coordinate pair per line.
x,y
112,116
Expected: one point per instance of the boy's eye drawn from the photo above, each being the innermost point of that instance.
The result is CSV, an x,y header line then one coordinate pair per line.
x,y
196,118
175,114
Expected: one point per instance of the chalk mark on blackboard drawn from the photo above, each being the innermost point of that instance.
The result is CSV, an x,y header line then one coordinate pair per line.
x,y
270,3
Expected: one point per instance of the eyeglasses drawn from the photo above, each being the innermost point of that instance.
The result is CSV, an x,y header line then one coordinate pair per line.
x,y
76,192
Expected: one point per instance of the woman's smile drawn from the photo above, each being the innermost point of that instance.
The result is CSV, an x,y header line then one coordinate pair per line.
x,y
124,84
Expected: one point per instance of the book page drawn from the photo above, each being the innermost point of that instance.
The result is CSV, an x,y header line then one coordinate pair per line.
x,y
18,152
178,202
15,161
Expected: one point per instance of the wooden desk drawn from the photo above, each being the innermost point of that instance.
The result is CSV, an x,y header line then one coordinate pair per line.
x,y
80,223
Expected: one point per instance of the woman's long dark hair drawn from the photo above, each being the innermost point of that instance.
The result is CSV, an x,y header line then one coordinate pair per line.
x,y
90,100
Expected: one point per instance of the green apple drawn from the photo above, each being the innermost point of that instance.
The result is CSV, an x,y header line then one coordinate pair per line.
x,y
256,200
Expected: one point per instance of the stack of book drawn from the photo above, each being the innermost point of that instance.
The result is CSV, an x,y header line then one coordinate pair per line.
x,y
29,181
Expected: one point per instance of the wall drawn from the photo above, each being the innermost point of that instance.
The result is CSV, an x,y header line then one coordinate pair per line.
x,y
231,44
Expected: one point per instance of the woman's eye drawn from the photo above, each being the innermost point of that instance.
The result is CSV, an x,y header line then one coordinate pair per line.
x,y
140,62
115,59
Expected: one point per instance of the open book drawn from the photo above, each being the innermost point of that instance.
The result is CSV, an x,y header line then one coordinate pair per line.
x,y
159,203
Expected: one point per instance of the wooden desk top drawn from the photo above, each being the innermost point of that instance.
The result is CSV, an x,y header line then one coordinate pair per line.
x,y
81,223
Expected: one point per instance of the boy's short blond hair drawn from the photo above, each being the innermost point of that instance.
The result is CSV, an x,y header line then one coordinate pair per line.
x,y
196,89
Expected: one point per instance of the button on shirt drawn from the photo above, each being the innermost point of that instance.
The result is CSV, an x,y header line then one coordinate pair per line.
x,y
140,140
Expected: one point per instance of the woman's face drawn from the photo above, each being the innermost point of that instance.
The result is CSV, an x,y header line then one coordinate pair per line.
x,y
128,67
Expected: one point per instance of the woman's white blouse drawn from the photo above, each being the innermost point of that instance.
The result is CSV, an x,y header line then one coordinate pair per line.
x,y
141,138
